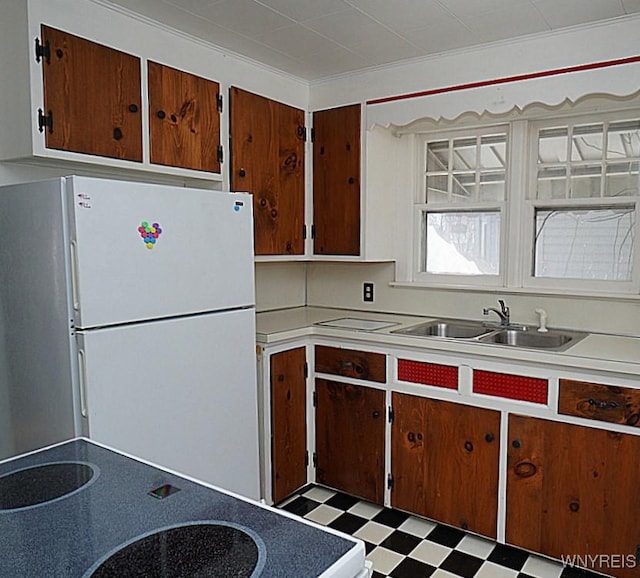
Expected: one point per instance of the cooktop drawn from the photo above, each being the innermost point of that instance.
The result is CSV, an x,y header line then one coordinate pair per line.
x,y
81,510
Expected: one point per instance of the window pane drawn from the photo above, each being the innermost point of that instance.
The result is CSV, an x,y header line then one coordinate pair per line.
x,y
464,154
464,243
585,181
552,182
492,186
587,143
594,244
493,151
437,189
624,140
552,145
623,179
464,186
438,156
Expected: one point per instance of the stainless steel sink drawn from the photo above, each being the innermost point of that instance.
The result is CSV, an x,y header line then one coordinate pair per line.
x,y
553,340
446,328
513,336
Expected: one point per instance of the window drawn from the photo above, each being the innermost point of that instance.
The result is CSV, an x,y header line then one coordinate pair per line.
x,y
460,209
561,213
582,201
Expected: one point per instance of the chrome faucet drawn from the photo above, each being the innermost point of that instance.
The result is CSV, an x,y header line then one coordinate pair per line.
x,y
503,312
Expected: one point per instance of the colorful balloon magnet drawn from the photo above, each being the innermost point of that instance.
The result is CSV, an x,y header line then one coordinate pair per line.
x,y
149,233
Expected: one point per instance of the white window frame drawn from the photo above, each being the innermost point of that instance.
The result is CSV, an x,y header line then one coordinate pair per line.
x,y
420,208
531,205
517,210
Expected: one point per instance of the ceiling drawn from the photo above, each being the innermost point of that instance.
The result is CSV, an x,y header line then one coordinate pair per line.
x,y
313,39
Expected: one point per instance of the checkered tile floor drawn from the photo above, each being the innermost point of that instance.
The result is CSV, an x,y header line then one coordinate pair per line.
x,y
403,546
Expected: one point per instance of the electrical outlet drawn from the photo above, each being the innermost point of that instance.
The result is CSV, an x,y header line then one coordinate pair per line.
x,y
367,292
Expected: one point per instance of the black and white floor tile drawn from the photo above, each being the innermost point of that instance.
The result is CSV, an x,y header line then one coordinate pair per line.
x,y
403,546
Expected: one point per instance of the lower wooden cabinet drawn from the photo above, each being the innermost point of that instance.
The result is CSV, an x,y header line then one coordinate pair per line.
x,y
288,422
350,432
573,491
445,462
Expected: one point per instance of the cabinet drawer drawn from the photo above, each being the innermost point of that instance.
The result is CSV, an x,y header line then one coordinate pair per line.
x,y
509,386
428,373
351,363
600,402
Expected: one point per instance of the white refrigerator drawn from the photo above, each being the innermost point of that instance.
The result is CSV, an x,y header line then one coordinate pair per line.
x,y
128,316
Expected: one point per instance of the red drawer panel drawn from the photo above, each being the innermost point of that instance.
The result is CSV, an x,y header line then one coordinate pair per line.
x,y
531,389
428,373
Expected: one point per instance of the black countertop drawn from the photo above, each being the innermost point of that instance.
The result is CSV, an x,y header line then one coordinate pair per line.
x,y
98,501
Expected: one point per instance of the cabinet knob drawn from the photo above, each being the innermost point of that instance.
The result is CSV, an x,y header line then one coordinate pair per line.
x,y
133,108
468,446
516,443
117,133
242,173
574,506
376,414
489,438
161,114
351,180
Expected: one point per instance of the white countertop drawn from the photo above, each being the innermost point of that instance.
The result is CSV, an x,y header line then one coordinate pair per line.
x,y
596,352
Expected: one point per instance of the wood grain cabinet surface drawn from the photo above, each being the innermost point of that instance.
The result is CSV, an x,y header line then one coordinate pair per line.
x,y
609,403
92,97
445,462
351,363
184,119
350,438
267,160
336,181
573,490
288,422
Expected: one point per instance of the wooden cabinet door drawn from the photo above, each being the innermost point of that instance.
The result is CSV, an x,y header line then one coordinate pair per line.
x,y
267,160
573,490
336,181
184,120
288,422
350,425
92,94
445,462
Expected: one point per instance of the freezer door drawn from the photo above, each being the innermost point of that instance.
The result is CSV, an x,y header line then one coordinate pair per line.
x,y
181,393
142,251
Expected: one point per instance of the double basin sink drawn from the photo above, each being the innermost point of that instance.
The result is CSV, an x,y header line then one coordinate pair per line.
x,y
510,335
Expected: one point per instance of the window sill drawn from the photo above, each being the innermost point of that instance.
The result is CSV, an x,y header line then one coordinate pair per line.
x,y
571,294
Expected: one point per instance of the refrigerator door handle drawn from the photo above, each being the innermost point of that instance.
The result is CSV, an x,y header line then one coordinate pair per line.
x,y
74,275
82,371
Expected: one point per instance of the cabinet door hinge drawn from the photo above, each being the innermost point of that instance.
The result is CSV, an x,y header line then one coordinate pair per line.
x,y
306,459
313,134
390,414
220,154
306,370
43,51
45,121
315,460
313,231
302,132
390,481
304,231
315,399
219,102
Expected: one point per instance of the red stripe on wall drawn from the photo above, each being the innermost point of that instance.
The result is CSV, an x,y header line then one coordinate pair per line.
x,y
506,79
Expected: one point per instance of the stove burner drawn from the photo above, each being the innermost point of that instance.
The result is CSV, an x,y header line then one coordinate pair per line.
x,y
44,483
203,549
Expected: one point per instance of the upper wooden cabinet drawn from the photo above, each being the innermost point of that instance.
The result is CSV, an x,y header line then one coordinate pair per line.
x,y
267,160
184,119
92,97
336,181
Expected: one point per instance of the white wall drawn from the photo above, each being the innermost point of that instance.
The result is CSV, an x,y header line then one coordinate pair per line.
x,y
340,285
